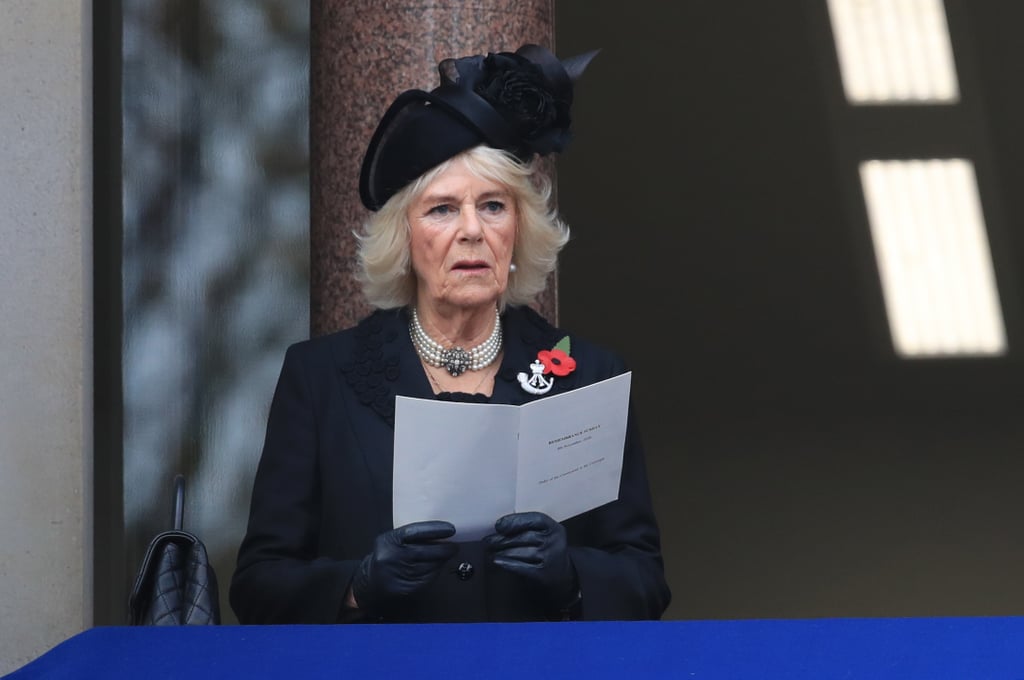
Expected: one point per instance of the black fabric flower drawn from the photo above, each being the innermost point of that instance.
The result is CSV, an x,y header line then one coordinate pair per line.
x,y
518,89
376,367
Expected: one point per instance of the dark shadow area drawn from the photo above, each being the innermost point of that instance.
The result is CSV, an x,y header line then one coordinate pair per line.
x,y
799,467
109,572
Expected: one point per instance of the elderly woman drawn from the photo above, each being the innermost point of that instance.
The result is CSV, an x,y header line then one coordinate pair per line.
x,y
461,241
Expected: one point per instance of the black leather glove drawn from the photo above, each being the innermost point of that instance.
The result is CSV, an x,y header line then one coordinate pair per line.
x,y
534,546
403,561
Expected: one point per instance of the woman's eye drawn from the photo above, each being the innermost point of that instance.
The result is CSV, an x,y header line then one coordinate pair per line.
x,y
440,210
494,207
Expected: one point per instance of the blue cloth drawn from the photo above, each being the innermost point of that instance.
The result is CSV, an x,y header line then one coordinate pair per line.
x,y
875,649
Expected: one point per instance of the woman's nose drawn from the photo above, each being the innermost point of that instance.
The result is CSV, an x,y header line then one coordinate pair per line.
x,y
470,227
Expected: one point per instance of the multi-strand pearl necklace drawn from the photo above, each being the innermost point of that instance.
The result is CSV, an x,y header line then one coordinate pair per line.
x,y
455,360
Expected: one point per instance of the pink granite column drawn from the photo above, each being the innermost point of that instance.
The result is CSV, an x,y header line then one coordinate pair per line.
x,y
363,53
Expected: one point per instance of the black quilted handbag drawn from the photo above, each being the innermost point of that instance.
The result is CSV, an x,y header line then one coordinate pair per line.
x,y
176,584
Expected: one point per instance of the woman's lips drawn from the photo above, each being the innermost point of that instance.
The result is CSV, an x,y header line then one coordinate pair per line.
x,y
470,266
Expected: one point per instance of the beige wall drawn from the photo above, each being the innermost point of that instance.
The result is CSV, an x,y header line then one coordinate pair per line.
x,y
45,326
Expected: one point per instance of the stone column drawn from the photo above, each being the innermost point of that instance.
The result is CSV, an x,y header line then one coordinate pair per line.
x,y
363,53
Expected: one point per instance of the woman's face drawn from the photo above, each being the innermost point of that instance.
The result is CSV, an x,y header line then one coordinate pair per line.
x,y
462,230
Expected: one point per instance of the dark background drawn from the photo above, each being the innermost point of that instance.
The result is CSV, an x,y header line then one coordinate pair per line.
x,y
799,467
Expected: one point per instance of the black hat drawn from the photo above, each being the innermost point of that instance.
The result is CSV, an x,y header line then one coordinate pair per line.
x,y
517,101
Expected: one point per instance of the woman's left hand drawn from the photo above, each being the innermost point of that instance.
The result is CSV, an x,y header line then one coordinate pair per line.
x,y
534,546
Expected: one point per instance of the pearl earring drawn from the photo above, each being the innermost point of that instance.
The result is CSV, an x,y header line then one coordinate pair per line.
x,y
512,268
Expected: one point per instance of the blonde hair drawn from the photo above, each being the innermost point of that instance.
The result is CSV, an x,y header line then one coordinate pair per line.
x,y
385,270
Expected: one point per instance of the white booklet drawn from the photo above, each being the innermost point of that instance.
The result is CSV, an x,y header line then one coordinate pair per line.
x,y
470,464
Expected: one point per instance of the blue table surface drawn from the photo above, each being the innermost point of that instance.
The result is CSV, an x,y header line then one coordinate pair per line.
x,y
804,648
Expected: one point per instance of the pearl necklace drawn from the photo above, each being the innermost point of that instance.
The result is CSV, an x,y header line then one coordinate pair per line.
x,y
455,360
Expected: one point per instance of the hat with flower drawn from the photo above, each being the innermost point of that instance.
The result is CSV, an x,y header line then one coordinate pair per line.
x,y
516,101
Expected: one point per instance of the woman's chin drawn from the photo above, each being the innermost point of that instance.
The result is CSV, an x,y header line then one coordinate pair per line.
x,y
468,296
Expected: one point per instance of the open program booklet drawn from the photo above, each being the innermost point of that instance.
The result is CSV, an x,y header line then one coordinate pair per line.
x,y
470,464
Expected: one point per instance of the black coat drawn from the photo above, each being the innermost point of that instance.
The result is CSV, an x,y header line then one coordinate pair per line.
x,y
322,491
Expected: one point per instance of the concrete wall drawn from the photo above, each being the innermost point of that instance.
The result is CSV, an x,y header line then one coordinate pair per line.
x,y
45,326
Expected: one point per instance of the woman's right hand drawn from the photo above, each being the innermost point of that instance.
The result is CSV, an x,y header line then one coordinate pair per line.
x,y
403,561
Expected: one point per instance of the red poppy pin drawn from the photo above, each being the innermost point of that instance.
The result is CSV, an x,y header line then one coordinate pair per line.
x,y
549,363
